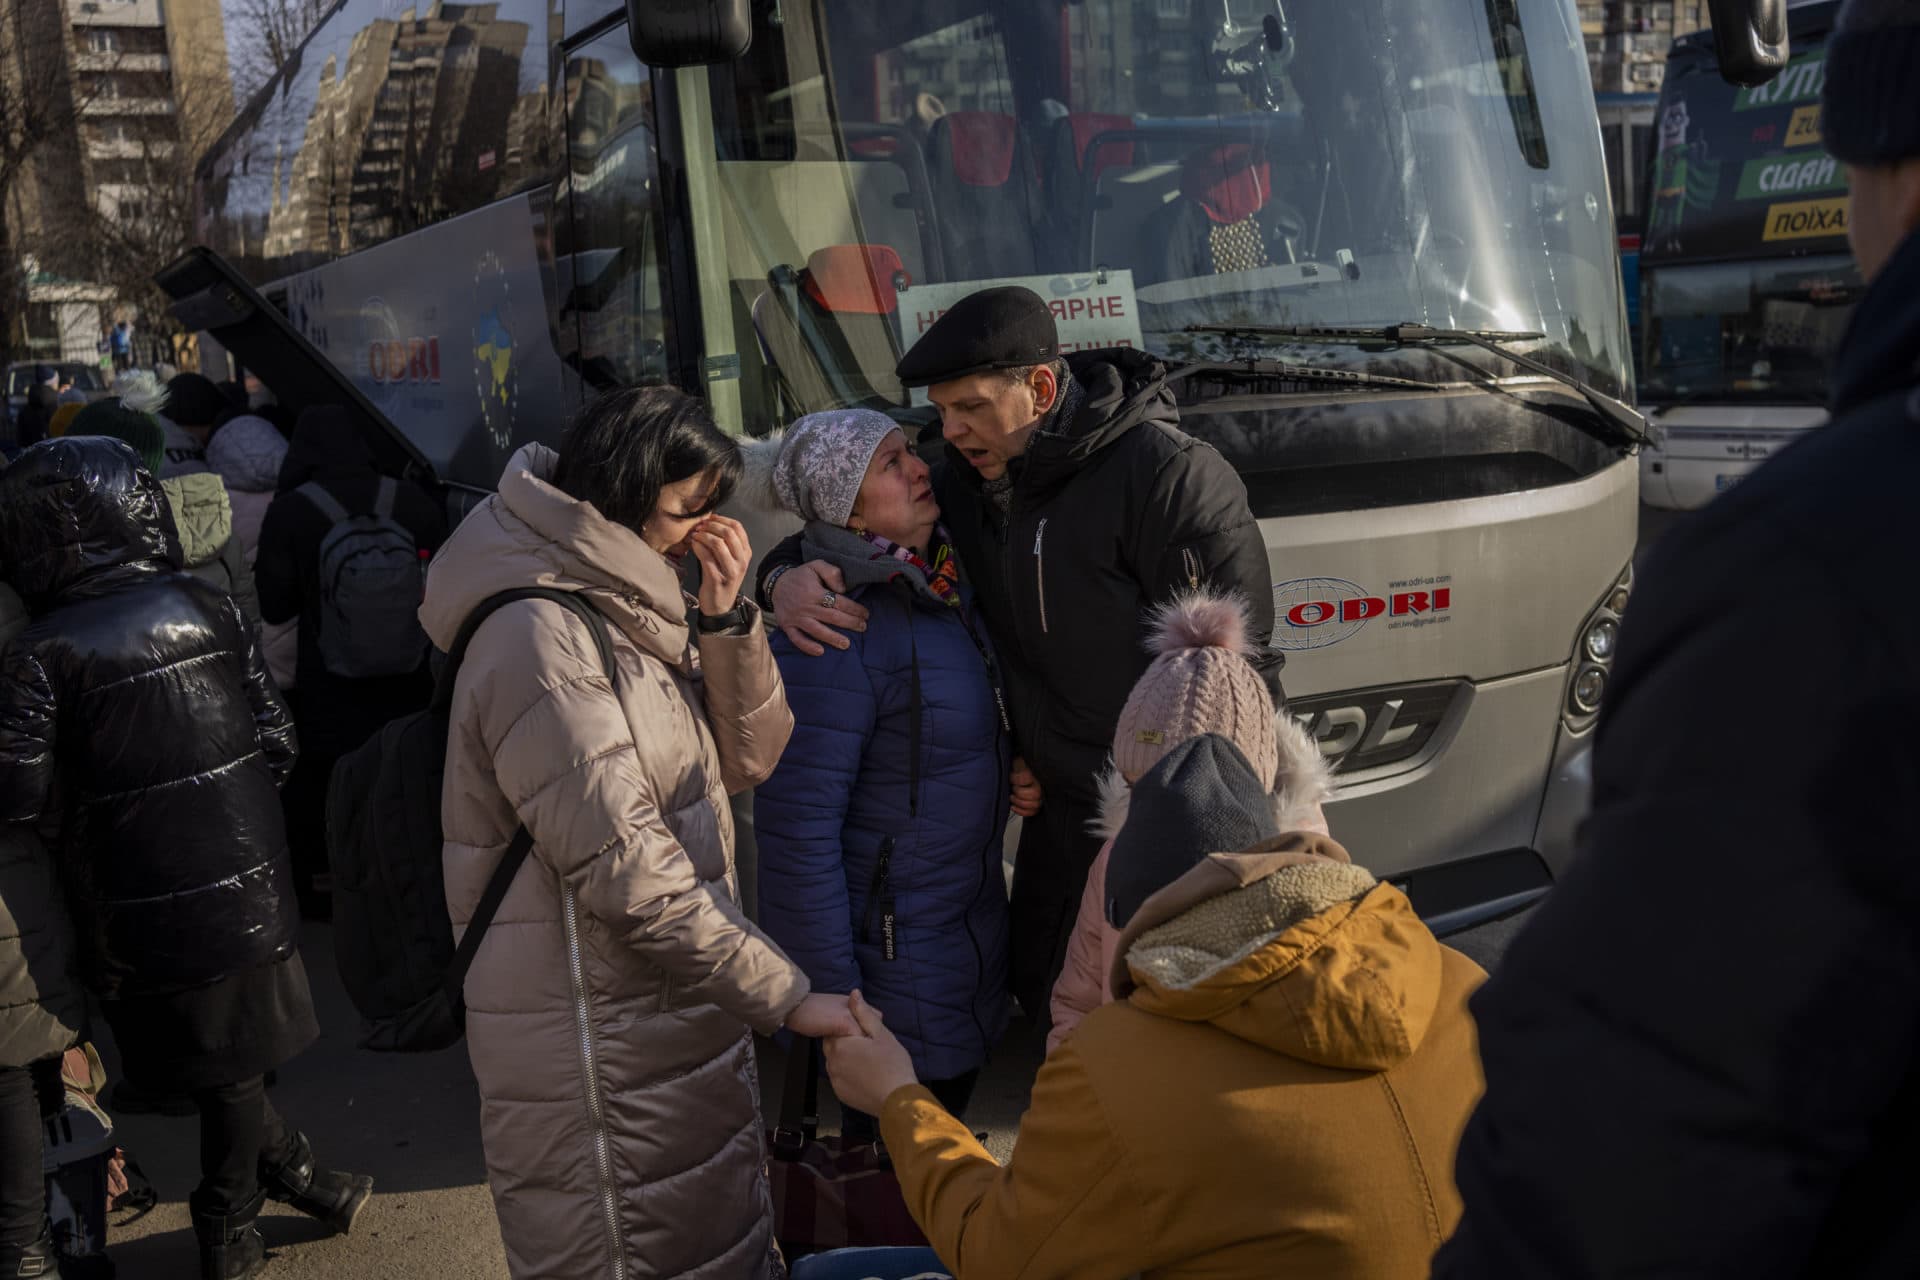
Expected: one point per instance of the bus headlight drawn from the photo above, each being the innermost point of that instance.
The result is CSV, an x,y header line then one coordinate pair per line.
x,y
1601,637
1594,649
1588,687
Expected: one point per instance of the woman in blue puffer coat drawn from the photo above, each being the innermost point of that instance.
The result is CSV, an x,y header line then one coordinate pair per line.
x,y
880,833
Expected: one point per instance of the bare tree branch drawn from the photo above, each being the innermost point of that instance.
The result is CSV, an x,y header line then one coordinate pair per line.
x,y
41,183
266,34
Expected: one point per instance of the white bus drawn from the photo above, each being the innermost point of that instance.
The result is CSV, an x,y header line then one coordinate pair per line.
x,y
1375,238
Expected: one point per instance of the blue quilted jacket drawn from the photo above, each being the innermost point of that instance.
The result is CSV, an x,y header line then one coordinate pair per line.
x,y
858,884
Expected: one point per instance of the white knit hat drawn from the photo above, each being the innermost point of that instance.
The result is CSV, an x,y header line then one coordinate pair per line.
x,y
815,469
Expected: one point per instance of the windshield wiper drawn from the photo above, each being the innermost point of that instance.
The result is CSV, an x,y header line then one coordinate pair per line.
x,y
1616,413
1287,371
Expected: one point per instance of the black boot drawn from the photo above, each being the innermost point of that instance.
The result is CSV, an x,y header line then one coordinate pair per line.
x,y
328,1195
37,1261
230,1247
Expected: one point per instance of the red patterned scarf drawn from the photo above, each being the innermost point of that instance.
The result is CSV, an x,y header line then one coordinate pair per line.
x,y
942,575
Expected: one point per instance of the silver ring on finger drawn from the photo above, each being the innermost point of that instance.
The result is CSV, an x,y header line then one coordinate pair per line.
x,y
828,600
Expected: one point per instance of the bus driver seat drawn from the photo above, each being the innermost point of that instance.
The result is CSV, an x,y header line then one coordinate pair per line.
x,y
827,331
1226,217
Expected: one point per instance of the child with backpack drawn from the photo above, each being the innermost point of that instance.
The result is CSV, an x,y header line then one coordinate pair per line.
x,y
343,549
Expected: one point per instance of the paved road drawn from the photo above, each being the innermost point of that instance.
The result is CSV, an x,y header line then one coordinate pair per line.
x,y
412,1122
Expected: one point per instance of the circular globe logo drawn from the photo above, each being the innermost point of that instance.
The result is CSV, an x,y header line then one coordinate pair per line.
x,y
496,374
1308,613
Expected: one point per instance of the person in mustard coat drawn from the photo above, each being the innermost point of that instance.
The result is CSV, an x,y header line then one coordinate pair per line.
x,y
1278,1089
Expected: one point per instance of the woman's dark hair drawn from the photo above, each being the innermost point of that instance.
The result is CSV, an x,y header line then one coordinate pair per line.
x,y
625,447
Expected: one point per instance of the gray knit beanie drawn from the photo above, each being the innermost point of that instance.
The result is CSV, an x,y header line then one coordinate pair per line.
x,y
1203,797
1872,111
816,467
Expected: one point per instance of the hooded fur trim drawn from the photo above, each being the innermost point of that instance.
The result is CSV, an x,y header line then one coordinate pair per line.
x,y
759,458
141,392
1221,932
1304,784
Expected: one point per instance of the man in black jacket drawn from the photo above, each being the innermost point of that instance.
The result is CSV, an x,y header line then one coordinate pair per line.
x,y
1077,505
336,713
137,713
1703,1053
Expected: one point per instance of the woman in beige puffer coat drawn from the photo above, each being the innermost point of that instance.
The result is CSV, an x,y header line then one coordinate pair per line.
x,y
609,1010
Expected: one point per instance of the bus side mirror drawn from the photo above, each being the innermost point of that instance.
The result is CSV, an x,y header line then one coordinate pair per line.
x,y
689,33
1750,37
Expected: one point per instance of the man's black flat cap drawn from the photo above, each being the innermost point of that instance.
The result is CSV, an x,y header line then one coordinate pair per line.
x,y
1004,328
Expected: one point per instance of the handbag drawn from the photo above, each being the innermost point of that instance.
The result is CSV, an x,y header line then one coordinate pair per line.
x,y
829,1193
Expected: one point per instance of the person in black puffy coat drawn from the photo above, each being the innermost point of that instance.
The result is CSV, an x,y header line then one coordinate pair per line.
x,y
137,714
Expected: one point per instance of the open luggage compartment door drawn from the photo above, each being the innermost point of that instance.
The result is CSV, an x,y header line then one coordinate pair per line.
x,y
209,296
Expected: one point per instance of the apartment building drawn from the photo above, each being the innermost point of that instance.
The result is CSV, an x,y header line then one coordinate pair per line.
x,y
149,85
1627,40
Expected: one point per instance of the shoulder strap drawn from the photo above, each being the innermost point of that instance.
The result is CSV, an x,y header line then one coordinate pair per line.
x,y
384,497
573,600
799,1099
329,505
522,842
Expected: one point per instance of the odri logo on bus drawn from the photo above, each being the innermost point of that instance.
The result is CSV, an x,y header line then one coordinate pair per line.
x,y
1313,613
395,360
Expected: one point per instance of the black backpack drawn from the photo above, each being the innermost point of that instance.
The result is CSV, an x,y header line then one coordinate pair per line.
x,y
393,938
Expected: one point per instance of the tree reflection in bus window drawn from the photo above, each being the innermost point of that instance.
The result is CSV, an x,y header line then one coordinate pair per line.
x,y
612,322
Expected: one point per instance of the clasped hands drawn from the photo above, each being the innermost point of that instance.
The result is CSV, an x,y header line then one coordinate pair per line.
x,y
864,1060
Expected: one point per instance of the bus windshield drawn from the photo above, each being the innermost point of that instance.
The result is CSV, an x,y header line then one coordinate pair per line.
x,y
1762,331
1154,165
1747,283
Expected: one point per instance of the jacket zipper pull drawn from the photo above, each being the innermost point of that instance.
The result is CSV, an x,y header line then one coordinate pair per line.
x,y
1040,569
1193,568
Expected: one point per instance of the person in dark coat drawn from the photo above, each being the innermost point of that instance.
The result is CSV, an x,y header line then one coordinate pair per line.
x,y
30,425
1703,1053
335,713
137,702
880,833
1077,504
194,404
42,1012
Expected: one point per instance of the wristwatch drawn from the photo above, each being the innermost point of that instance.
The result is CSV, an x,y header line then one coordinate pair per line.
x,y
734,621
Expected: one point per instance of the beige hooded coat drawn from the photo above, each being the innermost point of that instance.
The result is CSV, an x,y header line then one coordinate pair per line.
x,y
608,1011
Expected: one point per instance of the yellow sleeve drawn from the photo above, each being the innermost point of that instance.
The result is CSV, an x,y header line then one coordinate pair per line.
x,y
1065,1206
